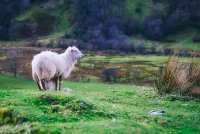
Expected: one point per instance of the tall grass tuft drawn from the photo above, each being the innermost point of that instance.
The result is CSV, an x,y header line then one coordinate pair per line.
x,y
178,77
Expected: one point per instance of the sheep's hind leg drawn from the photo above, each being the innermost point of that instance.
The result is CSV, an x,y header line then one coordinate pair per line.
x,y
43,85
39,86
38,83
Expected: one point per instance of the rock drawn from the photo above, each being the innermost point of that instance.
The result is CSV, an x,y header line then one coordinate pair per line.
x,y
67,90
195,91
156,112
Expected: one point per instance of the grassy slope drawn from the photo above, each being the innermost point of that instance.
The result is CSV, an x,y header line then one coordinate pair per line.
x,y
94,108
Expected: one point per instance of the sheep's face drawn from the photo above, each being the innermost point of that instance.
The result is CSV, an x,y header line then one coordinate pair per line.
x,y
76,53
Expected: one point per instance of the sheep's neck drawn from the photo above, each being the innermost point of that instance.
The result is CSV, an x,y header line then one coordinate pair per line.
x,y
69,61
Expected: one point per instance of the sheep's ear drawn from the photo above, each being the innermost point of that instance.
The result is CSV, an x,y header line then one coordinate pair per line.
x,y
72,50
69,48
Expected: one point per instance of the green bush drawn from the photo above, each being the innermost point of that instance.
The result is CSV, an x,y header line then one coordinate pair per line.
x,y
8,116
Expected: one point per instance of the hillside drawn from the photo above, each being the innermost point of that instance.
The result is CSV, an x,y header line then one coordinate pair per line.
x,y
152,24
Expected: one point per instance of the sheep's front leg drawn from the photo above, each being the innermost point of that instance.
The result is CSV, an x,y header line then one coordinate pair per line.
x,y
60,80
56,83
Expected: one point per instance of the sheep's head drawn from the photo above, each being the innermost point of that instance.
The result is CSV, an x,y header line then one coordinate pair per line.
x,y
75,52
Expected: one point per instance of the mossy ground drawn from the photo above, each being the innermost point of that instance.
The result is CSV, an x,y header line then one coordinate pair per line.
x,y
93,108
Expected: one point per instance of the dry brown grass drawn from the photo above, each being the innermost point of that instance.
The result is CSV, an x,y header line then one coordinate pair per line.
x,y
177,77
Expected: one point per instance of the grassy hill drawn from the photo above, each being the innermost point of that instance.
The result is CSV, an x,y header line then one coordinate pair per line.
x,y
92,108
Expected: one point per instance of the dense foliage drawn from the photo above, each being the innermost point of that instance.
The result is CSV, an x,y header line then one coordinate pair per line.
x,y
98,22
8,10
104,24
177,15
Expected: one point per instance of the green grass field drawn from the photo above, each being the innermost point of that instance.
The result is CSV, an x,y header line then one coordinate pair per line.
x,y
92,108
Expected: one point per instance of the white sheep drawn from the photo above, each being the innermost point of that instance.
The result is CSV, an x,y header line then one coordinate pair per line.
x,y
48,67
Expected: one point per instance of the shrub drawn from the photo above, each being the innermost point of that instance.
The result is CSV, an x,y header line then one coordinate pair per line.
x,y
140,49
184,53
131,26
127,48
168,51
152,50
196,39
8,116
110,75
154,28
177,77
